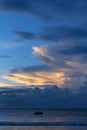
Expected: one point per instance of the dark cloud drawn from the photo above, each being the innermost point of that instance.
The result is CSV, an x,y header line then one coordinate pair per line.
x,y
24,6
60,6
46,8
18,5
5,56
74,50
48,97
62,52
38,68
68,7
25,35
63,33
31,69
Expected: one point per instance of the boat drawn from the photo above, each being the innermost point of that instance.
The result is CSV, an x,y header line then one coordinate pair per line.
x,y
38,113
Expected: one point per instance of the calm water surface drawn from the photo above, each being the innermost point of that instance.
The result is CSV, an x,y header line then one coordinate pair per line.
x,y
24,115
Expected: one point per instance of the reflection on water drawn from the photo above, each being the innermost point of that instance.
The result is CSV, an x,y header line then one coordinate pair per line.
x,y
48,116
42,128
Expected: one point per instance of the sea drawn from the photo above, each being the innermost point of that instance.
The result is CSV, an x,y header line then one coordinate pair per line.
x,y
53,119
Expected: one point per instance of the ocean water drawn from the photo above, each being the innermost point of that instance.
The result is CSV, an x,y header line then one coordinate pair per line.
x,y
24,119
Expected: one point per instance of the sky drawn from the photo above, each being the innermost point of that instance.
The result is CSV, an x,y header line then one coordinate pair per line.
x,y
43,43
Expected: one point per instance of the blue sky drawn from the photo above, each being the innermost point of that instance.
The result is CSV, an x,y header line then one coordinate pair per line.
x,y
43,43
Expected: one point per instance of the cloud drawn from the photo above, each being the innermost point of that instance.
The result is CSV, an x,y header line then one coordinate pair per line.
x,y
64,60
61,52
48,97
24,6
5,56
37,68
46,9
61,64
15,5
68,7
38,78
55,34
25,35
66,57
6,85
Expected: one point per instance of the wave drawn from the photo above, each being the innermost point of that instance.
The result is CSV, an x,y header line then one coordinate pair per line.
x,y
43,123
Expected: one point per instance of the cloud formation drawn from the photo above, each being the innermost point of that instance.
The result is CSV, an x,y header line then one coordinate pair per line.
x,y
55,34
66,7
61,52
46,8
48,97
25,35
38,78
64,59
2,84
5,56
61,64
24,6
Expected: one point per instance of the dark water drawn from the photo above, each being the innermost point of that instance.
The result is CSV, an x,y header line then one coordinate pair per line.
x,y
24,119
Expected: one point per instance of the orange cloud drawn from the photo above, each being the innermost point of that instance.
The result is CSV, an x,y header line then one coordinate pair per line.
x,y
6,85
38,78
43,51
